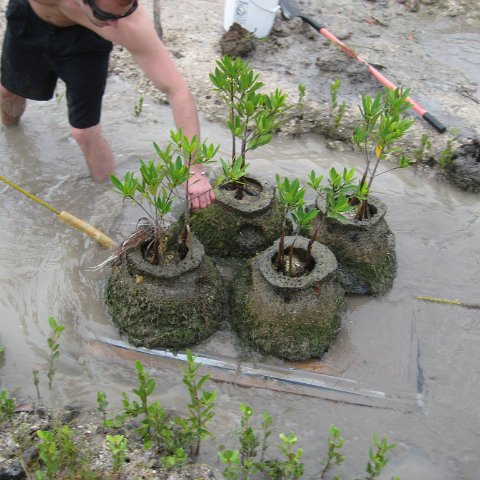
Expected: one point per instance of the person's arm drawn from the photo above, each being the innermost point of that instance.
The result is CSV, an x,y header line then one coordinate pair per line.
x,y
154,59
138,35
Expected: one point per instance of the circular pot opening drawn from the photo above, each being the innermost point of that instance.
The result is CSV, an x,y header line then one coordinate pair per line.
x,y
355,202
296,263
171,257
248,186
376,210
322,266
173,264
253,196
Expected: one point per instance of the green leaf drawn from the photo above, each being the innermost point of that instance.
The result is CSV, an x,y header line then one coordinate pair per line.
x,y
52,322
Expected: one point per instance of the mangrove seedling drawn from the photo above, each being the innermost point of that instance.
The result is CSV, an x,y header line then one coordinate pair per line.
x,y
300,107
383,123
157,187
425,146
448,153
290,467
202,402
102,404
155,429
302,91
60,457
54,347
138,107
337,192
337,110
377,457
7,406
243,463
117,444
253,116
334,457
48,455
174,436
292,199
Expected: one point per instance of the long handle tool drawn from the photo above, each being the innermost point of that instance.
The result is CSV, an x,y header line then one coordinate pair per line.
x,y
290,10
66,217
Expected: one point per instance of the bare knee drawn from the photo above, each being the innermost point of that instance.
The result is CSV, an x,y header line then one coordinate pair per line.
x,y
6,94
81,135
88,137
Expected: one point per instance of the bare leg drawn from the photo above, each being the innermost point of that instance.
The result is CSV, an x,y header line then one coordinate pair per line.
x,y
12,107
96,150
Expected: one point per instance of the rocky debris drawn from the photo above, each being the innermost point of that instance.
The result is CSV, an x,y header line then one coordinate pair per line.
x,y
18,446
237,42
464,171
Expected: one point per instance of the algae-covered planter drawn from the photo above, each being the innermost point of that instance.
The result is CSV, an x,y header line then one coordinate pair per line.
x,y
246,218
163,291
363,244
293,318
170,306
365,249
240,227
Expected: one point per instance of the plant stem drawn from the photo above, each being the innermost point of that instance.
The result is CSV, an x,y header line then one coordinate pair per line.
x,y
290,259
308,259
281,251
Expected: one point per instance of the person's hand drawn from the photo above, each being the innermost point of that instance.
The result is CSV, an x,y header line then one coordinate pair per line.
x,y
200,191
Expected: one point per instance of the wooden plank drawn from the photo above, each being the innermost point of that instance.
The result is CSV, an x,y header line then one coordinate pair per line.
x,y
298,381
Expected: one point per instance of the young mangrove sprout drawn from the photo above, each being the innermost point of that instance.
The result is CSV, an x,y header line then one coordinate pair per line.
x,y
156,188
253,116
383,124
54,347
292,199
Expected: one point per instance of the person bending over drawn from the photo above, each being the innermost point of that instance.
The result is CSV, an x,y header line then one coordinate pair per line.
x,y
72,40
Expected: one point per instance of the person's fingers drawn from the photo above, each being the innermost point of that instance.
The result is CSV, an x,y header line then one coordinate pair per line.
x,y
195,203
201,200
207,200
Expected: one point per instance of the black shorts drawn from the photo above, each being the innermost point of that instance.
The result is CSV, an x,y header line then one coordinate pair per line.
x,y
35,54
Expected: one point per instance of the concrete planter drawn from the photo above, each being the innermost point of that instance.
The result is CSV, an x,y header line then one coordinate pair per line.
x,y
173,306
365,250
240,228
291,318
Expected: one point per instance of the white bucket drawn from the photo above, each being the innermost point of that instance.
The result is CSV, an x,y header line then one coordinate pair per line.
x,y
256,16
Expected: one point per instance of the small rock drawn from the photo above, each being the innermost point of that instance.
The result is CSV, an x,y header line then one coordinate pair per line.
x,y
14,472
464,171
237,42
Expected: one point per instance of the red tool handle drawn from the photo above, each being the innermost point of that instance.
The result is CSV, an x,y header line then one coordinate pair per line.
x,y
428,117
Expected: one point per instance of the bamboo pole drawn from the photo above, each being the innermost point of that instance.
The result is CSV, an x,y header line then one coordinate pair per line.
x,y
66,217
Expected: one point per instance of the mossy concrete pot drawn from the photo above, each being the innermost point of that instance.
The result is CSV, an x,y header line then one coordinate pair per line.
x,y
365,250
173,306
293,318
240,228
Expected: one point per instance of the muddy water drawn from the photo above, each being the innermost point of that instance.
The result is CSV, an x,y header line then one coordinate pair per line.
x,y
422,357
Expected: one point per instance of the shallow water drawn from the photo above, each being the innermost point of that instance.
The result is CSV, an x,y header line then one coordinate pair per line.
x,y
421,356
